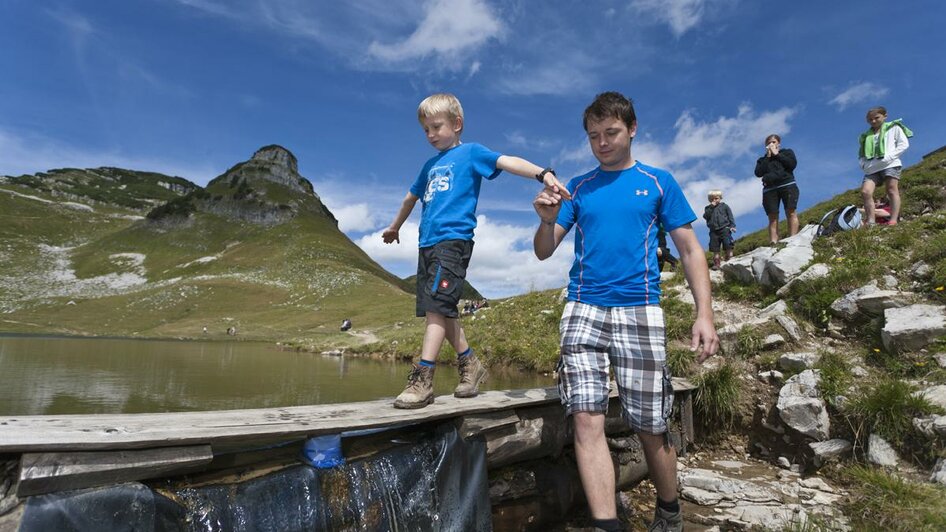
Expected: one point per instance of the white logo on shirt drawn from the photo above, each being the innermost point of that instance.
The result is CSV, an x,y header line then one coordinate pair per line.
x,y
438,180
641,192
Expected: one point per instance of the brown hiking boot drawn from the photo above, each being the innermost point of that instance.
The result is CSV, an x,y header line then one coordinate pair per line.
x,y
472,374
420,388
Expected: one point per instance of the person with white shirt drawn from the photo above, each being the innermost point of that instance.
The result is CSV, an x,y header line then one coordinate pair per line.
x,y
880,148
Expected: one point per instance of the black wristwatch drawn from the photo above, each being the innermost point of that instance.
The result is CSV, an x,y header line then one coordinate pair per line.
x,y
540,177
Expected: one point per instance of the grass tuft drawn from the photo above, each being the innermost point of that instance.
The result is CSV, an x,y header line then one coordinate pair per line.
x,y
882,501
888,409
717,396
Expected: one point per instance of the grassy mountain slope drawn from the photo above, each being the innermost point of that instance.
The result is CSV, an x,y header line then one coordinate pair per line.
x,y
256,250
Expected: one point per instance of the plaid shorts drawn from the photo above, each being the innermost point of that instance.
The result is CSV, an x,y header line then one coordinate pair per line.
x,y
632,340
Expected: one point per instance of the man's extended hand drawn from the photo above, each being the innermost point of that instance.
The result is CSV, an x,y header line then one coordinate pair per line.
x,y
548,203
705,342
390,235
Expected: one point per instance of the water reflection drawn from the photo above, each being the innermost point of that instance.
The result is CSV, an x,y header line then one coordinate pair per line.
x,y
45,375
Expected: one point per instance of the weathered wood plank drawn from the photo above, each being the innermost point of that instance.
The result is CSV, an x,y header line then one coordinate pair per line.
x,y
135,431
48,472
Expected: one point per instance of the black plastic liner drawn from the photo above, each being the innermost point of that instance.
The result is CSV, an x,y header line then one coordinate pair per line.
x,y
438,483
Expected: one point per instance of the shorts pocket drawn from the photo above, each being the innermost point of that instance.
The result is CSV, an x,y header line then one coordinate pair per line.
x,y
666,399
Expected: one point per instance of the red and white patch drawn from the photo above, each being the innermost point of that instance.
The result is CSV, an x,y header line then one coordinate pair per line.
x,y
444,284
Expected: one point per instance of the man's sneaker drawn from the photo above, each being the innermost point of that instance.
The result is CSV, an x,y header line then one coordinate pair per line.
x,y
420,388
665,521
472,374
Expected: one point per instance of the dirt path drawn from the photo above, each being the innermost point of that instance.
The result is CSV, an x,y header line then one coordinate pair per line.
x,y
365,337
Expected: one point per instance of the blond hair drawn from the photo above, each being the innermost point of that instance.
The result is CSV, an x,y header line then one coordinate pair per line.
x,y
442,102
715,194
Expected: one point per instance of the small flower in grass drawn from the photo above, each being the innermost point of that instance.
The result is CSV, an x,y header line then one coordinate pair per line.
x,y
839,259
938,289
876,350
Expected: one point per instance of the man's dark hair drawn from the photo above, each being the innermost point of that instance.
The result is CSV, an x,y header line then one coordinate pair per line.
x,y
610,105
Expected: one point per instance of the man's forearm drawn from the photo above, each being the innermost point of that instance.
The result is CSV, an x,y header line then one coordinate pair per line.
x,y
544,241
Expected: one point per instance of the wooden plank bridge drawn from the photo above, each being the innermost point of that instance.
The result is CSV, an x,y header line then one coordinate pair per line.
x,y
71,451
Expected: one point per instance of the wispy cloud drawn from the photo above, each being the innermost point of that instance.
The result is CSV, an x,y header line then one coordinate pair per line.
x,y
680,15
859,93
450,28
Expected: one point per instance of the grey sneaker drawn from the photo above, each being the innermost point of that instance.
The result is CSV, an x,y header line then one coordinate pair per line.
x,y
665,521
420,389
472,374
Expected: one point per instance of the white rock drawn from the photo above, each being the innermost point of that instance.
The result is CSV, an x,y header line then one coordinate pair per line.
x,y
716,277
771,376
815,271
828,450
913,327
931,425
880,452
816,483
889,281
940,359
801,407
772,341
664,276
784,463
875,303
859,372
790,326
845,307
802,238
920,270
935,394
787,263
740,268
939,472
798,361
775,309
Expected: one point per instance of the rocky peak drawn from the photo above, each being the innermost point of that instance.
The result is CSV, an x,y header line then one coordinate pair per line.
x,y
275,154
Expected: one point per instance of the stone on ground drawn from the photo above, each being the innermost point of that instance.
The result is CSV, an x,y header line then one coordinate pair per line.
x,y
913,327
798,361
825,451
880,452
800,406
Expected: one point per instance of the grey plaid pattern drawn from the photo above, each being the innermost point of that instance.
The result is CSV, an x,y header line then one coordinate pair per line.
x,y
632,341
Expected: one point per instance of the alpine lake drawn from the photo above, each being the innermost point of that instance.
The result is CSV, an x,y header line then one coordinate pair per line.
x,y
43,375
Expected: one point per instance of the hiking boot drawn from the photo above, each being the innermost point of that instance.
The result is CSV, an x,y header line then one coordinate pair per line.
x,y
420,388
665,521
472,373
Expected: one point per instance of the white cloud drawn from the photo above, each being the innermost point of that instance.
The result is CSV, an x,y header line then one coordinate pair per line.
x,y
503,262
858,93
28,154
449,28
356,218
680,15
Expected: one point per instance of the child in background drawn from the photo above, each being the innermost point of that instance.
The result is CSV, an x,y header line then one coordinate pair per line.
x,y
721,225
880,148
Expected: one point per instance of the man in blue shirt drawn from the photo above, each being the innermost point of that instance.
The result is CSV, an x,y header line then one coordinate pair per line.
x,y
613,317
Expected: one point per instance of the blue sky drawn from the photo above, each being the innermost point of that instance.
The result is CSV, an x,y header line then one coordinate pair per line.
x,y
190,87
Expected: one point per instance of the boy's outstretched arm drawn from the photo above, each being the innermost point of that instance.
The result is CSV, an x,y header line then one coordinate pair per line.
x,y
705,341
392,233
522,167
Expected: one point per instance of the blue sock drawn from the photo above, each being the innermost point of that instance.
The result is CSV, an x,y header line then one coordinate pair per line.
x,y
468,352
426,364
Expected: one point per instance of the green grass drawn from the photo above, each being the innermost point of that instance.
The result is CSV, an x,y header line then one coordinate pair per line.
x,y
717,397
836,375
749,341
887,408
680,361
881,501
678,317
751,293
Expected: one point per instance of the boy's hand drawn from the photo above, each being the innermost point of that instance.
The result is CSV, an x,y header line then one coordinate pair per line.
x,y
390,235
547,204
732,229
553,183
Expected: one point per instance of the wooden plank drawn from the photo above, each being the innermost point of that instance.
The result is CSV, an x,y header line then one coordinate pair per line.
x,y
48,472
90,432
136,431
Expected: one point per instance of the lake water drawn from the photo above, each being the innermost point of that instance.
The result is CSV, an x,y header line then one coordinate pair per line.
x,y
52,375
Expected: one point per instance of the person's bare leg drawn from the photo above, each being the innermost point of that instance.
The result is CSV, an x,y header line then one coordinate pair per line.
x,y
434,334
594,464
893,192
867,195
792,222
661,464
455,335
773,227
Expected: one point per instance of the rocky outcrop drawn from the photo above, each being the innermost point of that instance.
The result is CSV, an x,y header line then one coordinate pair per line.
x,y
800,406
815,271
748,268
869,300
912,327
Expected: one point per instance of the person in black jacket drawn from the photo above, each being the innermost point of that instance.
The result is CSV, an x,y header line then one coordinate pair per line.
x,y
778,185
721,225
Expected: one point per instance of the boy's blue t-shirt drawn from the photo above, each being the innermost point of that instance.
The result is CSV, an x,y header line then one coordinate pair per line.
x,y
617,216
449,188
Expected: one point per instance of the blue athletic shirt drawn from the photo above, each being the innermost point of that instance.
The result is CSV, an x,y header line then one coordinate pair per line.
x,y
449,187
616,216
